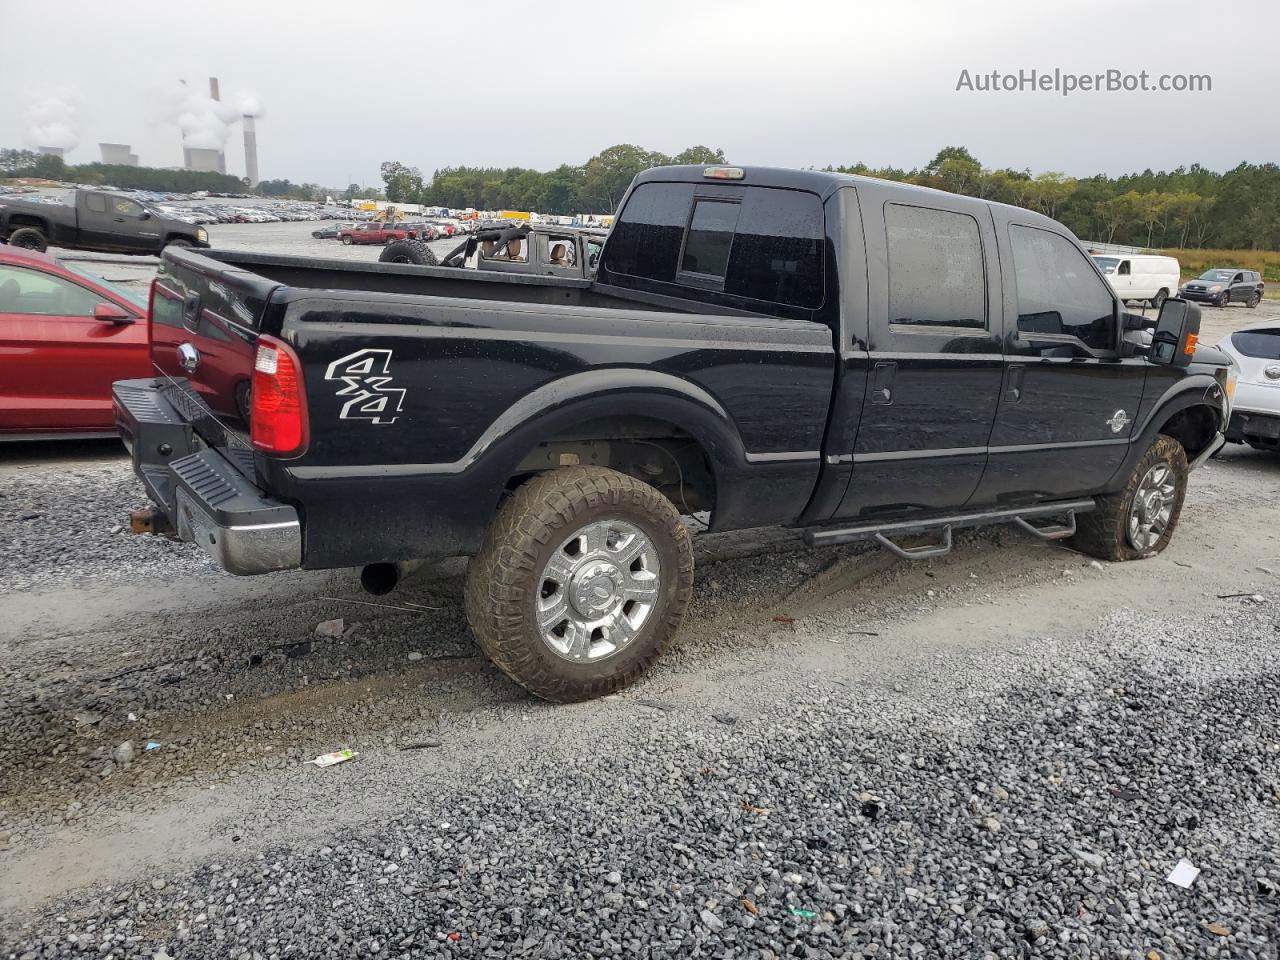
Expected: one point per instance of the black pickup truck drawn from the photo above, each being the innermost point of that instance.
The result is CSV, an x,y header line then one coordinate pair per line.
x,y
94,220
850,356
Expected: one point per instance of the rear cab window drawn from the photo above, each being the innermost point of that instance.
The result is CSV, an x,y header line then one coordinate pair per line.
x,y
1262,344
754,248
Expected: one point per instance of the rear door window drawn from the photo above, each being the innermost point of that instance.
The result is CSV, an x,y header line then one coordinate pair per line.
x,y
936,274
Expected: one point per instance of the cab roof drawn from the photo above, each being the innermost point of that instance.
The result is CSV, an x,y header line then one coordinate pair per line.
x,y
821,182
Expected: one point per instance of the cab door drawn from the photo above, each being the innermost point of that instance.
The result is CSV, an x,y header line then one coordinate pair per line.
x,y
933,360
1069,400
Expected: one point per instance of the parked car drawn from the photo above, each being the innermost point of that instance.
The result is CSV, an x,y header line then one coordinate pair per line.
x,y
1141,276
65,336
330,231
854,357
1222,287
375,232
94,220
1255,407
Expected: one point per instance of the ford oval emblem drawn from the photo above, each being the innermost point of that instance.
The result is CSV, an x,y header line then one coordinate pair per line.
x,y
189,357
1272,372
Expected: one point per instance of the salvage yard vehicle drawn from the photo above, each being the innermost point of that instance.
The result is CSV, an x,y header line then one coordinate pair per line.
x,y
373,232
95,220
1255,405
1141,277
524,248
1223,287
65,337
856,358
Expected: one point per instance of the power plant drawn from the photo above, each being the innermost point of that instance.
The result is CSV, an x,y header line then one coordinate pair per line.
x,y
205,127
120,154
250,129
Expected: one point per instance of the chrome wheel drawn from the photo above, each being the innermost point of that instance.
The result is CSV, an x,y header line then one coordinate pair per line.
x,y
1152,507
597,590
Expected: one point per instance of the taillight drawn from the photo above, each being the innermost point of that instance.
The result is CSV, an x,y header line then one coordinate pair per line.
x,y
277,401
151,309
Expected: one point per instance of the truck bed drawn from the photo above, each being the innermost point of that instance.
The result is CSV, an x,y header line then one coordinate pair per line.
x,y
402,279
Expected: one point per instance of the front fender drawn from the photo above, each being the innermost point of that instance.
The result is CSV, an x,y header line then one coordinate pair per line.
x,y
1195,389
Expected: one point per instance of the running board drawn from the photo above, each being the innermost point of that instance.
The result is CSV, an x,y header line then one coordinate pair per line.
x,y
884,533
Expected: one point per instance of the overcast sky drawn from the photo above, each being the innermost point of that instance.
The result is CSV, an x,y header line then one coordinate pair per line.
x,y
346,85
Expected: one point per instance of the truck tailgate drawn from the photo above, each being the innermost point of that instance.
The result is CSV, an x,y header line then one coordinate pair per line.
x,y
205,319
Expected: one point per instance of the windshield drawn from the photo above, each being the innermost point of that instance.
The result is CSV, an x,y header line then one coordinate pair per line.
x,y
1217,275
123,292
1107,264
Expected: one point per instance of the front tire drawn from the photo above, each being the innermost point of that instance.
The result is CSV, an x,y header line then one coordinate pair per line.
x,y
347,241
180,242
408,251
29,238
581,583
1139,520
1223,299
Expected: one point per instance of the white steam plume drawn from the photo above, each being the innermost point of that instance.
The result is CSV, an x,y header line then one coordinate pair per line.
x,y
205,122
52,119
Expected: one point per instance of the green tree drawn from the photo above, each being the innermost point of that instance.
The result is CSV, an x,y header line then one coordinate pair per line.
x,y
606,176
699,154
404,184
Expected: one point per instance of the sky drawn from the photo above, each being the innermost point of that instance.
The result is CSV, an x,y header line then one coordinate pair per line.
x,y
343,86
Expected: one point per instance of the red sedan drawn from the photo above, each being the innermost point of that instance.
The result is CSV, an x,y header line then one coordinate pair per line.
x,y
65,336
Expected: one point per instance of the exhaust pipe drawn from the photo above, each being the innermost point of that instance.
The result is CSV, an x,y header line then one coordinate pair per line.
x,y
381,578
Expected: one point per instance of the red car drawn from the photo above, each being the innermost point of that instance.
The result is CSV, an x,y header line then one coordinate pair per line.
x,y
375,233
65,337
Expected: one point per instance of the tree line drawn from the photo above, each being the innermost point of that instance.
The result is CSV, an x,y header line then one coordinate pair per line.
x,y
1186,207
29,163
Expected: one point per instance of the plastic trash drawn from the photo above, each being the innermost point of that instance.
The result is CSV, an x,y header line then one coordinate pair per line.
x,y
337,756
803,914
1184,874
152,745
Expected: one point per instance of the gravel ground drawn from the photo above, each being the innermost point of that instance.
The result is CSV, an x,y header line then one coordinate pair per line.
x,y
1003,752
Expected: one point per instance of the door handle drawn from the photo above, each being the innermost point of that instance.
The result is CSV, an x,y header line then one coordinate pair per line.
x,y
882,378
1013,386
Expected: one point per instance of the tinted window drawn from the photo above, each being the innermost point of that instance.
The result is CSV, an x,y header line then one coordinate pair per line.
x,y
936,275
1263,344
645,241
125,208
95,203
1058,293
706,250
778,248
33,293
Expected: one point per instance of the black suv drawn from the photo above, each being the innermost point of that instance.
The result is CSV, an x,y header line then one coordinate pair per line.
x,y
1224,286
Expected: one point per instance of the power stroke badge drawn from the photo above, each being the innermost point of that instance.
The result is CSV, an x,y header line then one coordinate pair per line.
x,y
366,386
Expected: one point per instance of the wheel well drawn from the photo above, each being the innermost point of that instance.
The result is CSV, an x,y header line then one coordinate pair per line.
x,y
26,220
654,451
1193,427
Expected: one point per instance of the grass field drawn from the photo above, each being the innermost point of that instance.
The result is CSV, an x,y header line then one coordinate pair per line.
x,y
1196,262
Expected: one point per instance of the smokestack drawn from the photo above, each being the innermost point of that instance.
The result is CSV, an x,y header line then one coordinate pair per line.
x,y
221,165
213,88
250,150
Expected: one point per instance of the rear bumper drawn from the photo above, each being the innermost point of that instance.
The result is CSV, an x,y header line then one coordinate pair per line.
x,y
205,497
1257,428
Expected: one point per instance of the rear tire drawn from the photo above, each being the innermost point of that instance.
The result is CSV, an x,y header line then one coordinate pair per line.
x,y
408,251
1254,299
1118,528
29,238
550,597
1158,300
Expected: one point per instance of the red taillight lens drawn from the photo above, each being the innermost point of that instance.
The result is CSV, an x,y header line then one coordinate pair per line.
x,y
277,404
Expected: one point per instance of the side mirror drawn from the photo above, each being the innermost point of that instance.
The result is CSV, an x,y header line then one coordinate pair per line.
x,y
145,215
110,313
1177,332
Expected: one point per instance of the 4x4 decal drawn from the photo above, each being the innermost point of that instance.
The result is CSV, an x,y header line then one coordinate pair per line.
x,y
365,376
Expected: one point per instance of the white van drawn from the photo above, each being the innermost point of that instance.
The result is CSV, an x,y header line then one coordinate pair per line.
x,y
1141,276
